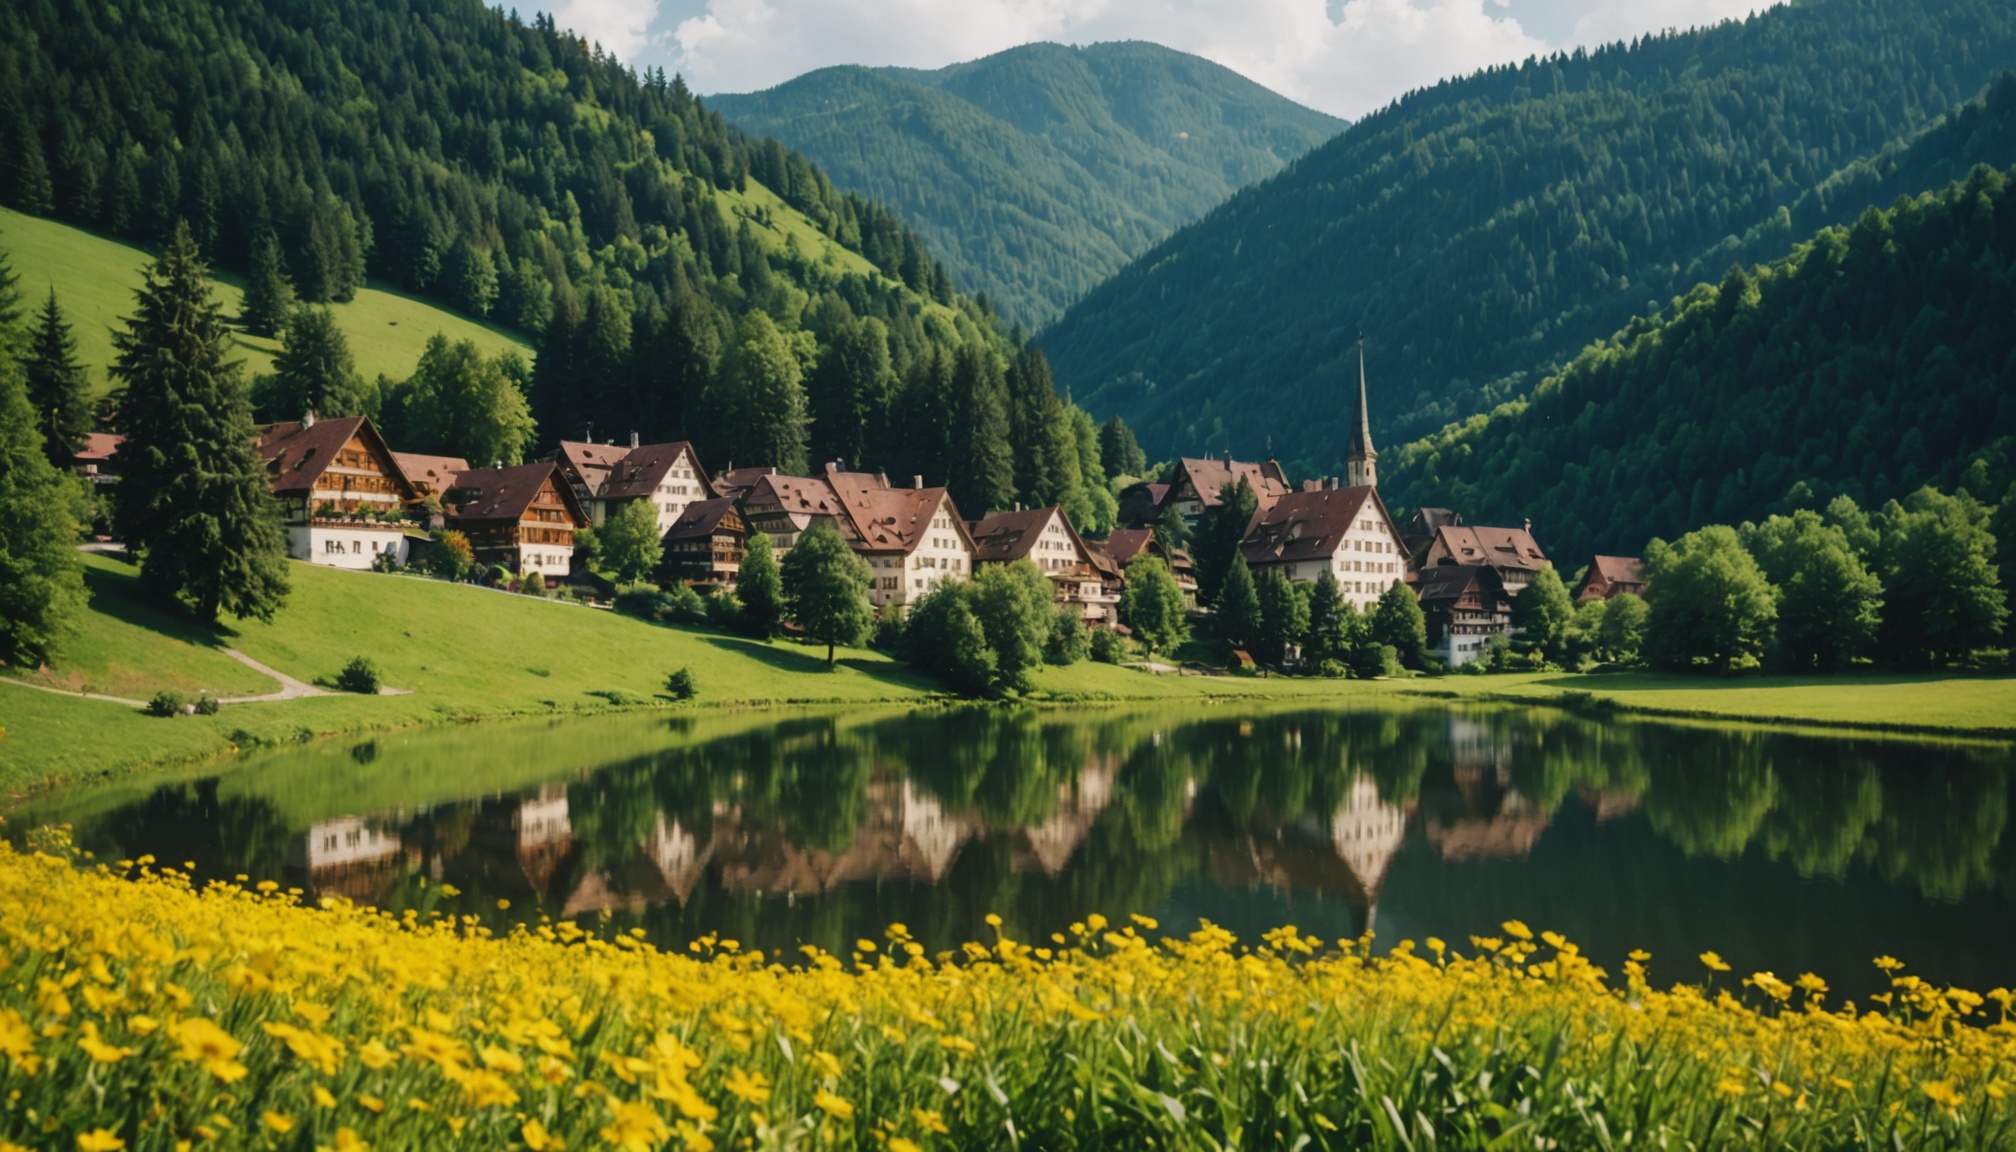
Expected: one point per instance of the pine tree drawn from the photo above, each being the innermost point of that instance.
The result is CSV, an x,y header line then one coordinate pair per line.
x,y
1284,617
982,474
761,400
1219,532
269,298
849,392
673,352
1122,452
29,188
826,586
920,438
41,578
1331,622
57,386
313,371
1092,506
1238,610
193,500
759,586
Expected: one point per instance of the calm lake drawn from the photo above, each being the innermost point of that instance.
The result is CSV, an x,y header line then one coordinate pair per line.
x,y
1788,852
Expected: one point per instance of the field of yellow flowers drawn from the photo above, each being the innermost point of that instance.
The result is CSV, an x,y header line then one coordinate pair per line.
x,y
146,1013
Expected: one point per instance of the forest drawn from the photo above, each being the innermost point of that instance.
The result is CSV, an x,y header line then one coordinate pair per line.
x,y
1482,232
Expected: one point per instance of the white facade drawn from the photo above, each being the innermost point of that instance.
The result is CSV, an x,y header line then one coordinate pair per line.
x,y
1367,561
342,545
345,840
679,487
942,554
549,560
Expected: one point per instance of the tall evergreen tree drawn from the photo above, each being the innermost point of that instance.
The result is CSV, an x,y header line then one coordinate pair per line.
x,y
849,392
193,500
1331,622
1093,507
921,440
41,578
1218,534
314,371
57,385
1042,441
1122,452
674,350
269,297
602,362
1238,610
761,402
982,477
29,188
760,587
1284,617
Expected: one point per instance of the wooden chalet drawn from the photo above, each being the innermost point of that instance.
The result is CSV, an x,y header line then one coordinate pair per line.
x,y
1124,544
786,507
704,546
343,496
430,475
1610,576
1346,531
1465,605
1045,537
522,517
913,538
1141,504
96,460
736,483
1197,485
1512,551
605,477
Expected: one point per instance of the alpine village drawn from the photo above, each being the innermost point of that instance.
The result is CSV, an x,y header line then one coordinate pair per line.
x,y
787,577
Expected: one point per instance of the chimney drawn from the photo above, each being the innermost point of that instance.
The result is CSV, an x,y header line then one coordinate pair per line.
x,y
832,466
917,481
1529,525
633,438
308,419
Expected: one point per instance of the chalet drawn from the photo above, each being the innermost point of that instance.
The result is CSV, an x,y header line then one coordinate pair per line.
x,y
522,517
343,496
735,483
1045,537
1141,504
1465,605
430,475
1196,487
784,507
605,477
96,459
704,546
1419,532
1345,531
1122,545
1610,576
913,538
1511,551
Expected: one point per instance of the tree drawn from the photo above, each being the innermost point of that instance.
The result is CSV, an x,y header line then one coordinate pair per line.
x,y
1170,529
1542,610
193,499
1709,605
1238,610
982,474
57,385
1152,604
269,298
761,404
1069,641
1621,636
1284,617
1944,596
759,587
41,578
459,402
629,541
313,371
1015,606
1829,604
1091,504
826,586
1121,451
1219,532
1398,622
1330,623
849,392
944,637
451,557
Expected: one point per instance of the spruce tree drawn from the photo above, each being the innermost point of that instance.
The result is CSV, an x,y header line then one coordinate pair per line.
x,y
1284,617
849,392
1219,532
982,475
920,438
1238,608
761,401
1330,624
29,188
313,371
269,298
193,500
57,386
1092,506
41,578
760,588
1122,452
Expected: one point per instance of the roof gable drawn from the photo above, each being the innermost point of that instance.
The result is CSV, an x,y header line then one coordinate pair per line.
x,y
640,470
1309,525
704,517
1206,476
298,452
1013,535
893,519
505,493
1499,547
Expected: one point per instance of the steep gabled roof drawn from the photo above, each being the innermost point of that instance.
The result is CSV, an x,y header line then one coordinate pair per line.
x,y
98,446
297,453
1499,547
640,470
1307,525
799,495
737,481
505,493
1207,476
702,517
1618,569
435,472
1446,583
892,519
1007,536
1123,544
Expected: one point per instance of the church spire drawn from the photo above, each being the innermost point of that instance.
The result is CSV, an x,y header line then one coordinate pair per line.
x,y
1361,466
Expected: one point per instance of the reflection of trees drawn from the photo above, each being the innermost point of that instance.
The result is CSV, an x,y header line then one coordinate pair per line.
x,y
1940,826
1710,791
189,822
1822,814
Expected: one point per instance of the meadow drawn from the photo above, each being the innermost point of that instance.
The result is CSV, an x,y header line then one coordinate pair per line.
x,y
233,1015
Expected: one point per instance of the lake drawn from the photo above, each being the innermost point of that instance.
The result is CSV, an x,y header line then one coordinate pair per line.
x,y
1785,851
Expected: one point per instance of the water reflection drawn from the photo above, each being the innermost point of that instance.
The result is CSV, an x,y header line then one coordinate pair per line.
x,y
777,830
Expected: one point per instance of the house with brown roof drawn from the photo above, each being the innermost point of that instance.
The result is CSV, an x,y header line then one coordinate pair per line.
x,y
735,483
785,507
1345,531
1511,551
1197,486
342,495
1610,576
913,538
704,546
1123,544
1045,537
1465,605
522,517
430,475
1141,504
96,459
605,477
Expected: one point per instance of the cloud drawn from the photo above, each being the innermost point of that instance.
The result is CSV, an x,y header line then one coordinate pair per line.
x,y
1346,57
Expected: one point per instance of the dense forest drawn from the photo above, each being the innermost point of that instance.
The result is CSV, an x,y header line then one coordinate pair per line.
x,y
1484,231
683,278
1038,172
1875,359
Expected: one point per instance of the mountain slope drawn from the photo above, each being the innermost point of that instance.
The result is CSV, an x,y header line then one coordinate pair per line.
x,y
1872,360
1492,226
1037,172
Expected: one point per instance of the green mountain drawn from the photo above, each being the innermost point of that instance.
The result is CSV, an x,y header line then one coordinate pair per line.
x,y
1038,172
1484,231
1876,358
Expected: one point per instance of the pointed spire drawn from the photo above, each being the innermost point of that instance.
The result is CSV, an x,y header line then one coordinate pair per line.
x,y
1359,466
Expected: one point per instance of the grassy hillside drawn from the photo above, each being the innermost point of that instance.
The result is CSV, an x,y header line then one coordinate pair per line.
x,y
1037,172
1483,232
95,276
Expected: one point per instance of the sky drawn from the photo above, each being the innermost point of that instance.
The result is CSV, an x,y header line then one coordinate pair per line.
x,y
1345,57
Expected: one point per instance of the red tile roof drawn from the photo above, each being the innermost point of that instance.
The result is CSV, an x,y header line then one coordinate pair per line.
x,y
1618,569
892,519
1448,582
1207,476
1125,543
1307,525
98,446
435,473
296,453
798,495
505,493
590,461
1499,547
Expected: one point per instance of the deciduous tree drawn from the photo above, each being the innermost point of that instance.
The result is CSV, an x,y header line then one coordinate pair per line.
x,y
628,541
1711,608
1829,604
1152,604
760,588
826,587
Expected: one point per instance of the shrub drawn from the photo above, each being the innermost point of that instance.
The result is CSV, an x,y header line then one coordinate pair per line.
x,y
683,605
724,611
387,561
207,705
359,676
498,576
534,584
639,600
166,703
1068,642
1331,669
451,557
1371,660
680,685
1107,647
888,633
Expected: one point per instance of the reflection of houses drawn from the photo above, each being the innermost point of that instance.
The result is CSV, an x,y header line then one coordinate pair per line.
x,y
1079,803
908,836
1346,857
1367,832
350,858
1482,772
542,835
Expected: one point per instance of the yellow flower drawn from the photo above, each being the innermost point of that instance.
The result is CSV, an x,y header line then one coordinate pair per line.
x,y
752,1088
502,1061
376,1056
635,1127
323,1097
373,1104
486,1089
277,1122
930,1121
1942,1093
201,1041
347,1141
537,1138
833,1105
99,1051
142,1025
993,921
1517,929
899,1144
99,1140
1714,962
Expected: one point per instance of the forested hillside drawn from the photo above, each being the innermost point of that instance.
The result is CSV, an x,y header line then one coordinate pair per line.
x,y
1875,359
1037,172
1489,228
682,278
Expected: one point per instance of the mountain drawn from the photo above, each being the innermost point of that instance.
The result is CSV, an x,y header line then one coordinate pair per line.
x,y
1874,359
1482,232
1037,172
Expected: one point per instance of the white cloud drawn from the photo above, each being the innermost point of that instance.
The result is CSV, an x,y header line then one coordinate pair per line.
x,y
1347,57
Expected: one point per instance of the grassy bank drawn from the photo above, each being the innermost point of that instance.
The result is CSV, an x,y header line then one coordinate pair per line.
x,y
238,1016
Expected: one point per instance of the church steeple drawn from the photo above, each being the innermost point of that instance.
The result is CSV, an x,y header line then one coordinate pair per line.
x,y
1361,466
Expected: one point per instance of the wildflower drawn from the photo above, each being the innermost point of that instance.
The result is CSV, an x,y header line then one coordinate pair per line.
x,y
277,1122
376,1056
99,1051
1147,923
201,1041
501,1060
485,1089
1517,929
347,1141
899,1144
99,1140
753,1088
537,1138
635,1127
323,1097
1888,963
1714,962
141,1025
930,1121
372,1104
833,1105
1942,1093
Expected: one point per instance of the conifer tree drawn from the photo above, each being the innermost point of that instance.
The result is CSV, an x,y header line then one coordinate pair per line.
x,y
921,437
1122,452
982,474
1219,532
29,188
849,392
761,401
314,371
1091,504
1284,617
41,578
193,500
759,586
57,385
269,298
673,350
826,586
1238,608
1331,622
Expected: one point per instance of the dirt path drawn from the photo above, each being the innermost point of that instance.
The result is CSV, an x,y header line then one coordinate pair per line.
x,y
290,688
68,692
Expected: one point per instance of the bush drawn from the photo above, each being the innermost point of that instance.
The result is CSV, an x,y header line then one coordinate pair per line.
x,y
359,676
166,703
207,705
888,633
387,561
683,605
498,576
1107,647
1068,642
680,686
450,556
640,600
1330,669
534,584
724,611
1372,660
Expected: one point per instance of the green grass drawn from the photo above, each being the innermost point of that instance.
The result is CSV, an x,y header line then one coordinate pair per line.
x,y
95,277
